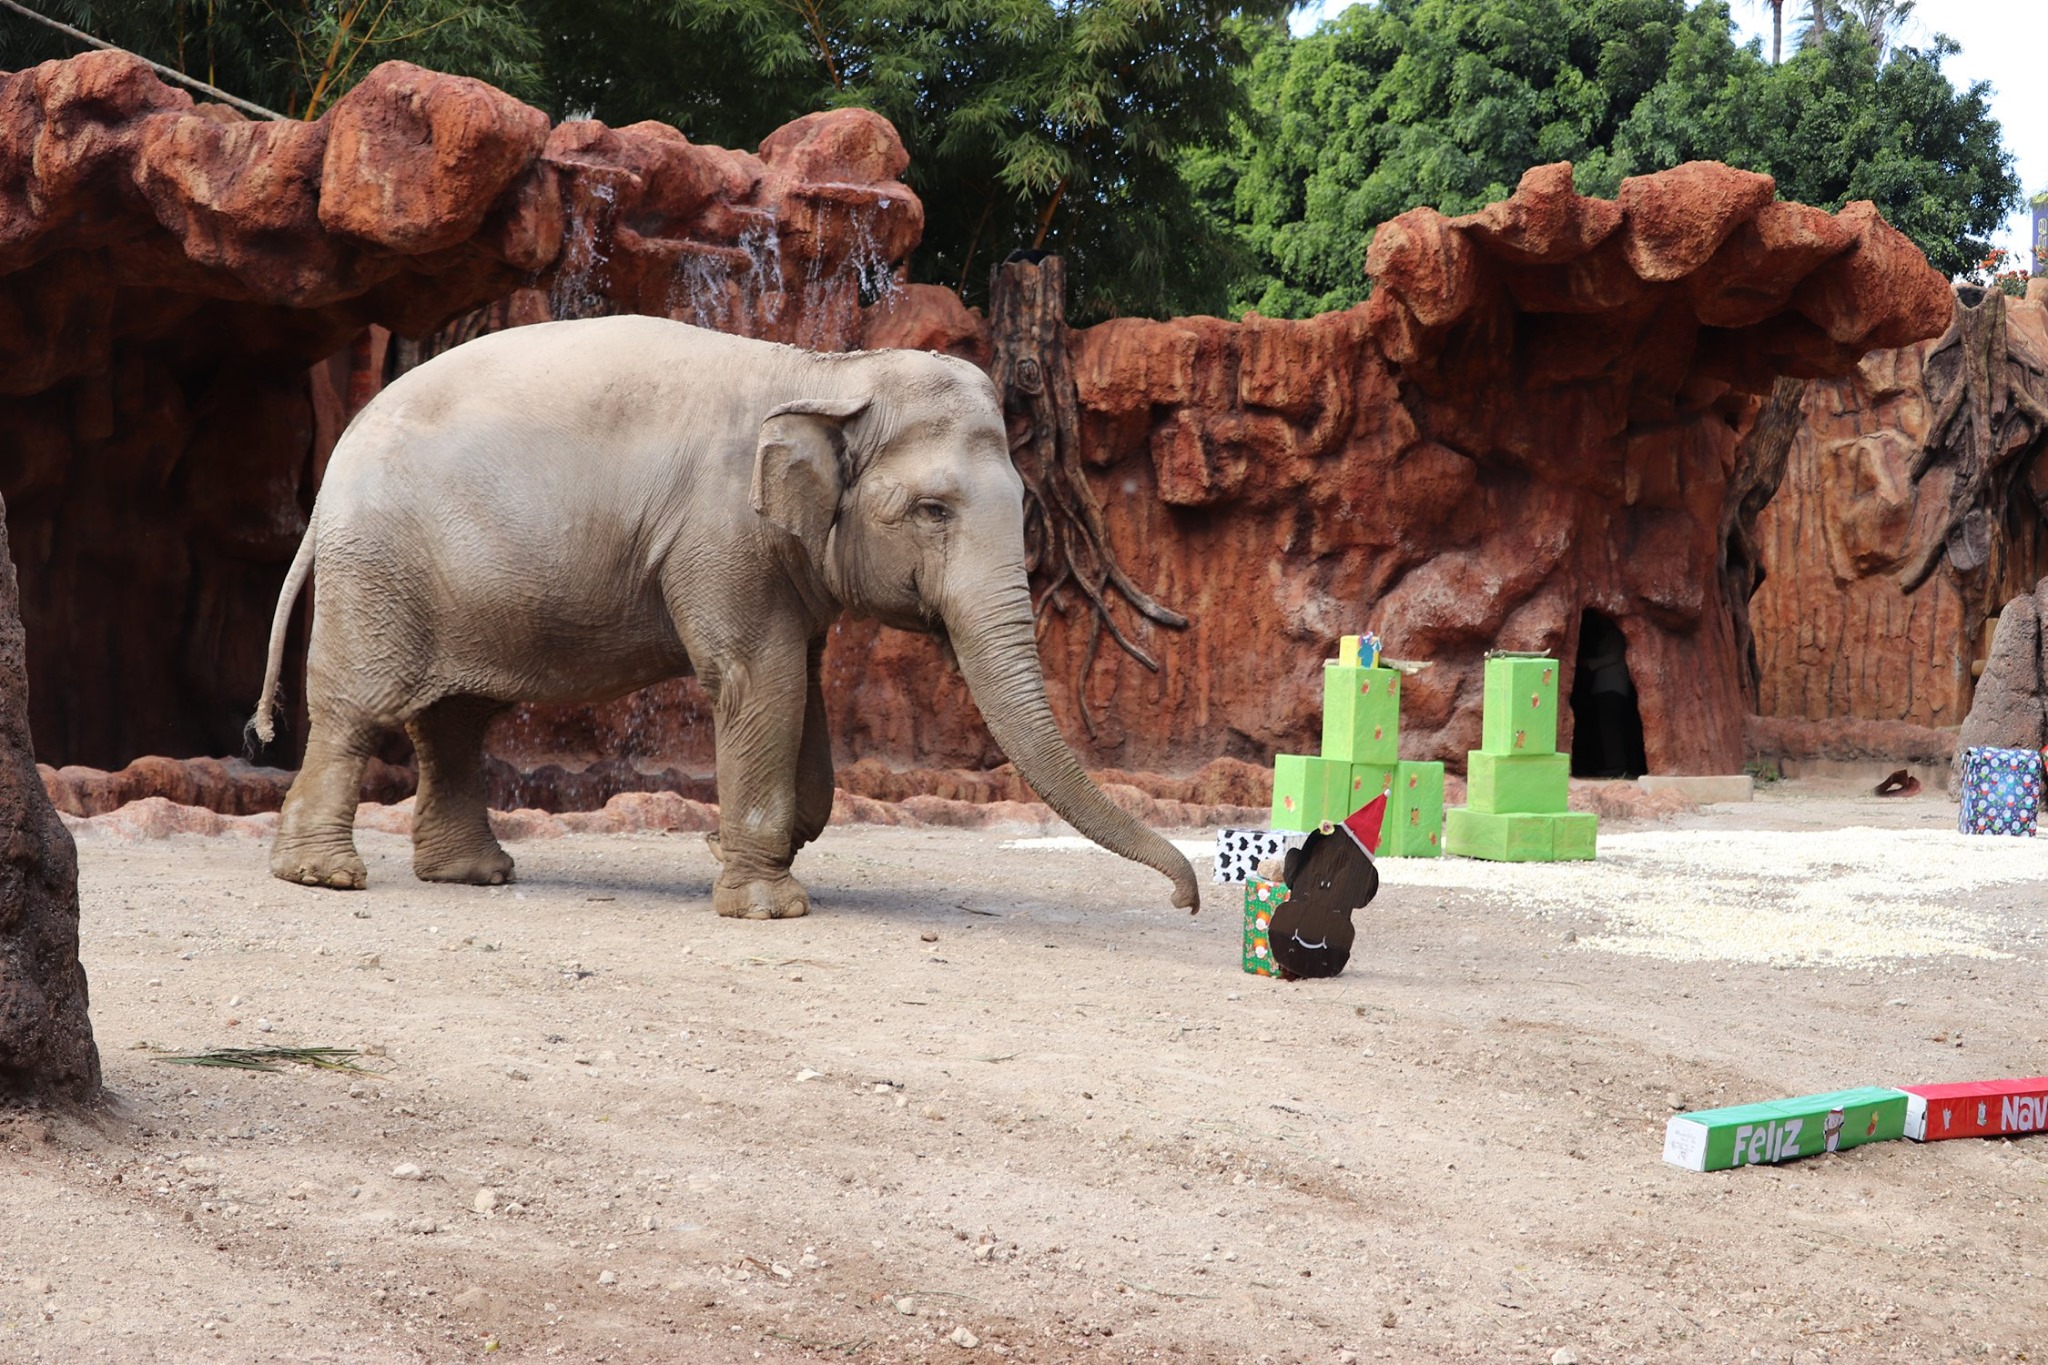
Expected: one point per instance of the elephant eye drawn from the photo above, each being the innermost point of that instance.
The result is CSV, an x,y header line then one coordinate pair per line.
x,y
933,510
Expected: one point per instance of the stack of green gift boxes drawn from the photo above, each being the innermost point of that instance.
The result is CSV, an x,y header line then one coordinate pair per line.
x,y
1361,759
1516,782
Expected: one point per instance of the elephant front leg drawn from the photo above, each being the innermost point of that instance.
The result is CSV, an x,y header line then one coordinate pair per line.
x,y
315,843
451,830
759,719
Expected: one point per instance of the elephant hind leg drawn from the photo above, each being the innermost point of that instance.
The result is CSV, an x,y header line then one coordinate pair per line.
x,y
315,843
813,762
451,827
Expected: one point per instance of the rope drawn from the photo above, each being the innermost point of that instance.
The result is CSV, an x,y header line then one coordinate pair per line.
x,y
169,73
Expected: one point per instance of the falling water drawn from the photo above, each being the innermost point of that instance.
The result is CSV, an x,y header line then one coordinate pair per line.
x,y
582,287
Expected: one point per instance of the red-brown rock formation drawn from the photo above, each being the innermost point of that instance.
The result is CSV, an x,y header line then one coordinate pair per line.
x,y
1535,415
169,271
46,1046
1837,637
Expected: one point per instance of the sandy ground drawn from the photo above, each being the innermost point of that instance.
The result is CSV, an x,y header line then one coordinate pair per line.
x,y
1009,1090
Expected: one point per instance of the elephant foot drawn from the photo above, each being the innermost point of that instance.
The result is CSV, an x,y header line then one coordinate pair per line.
x,y
340,871
781,897
475,867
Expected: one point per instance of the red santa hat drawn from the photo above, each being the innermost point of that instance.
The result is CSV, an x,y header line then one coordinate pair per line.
x,y
1363,825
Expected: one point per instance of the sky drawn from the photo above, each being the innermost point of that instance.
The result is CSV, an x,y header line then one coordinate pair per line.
x,y
1996,48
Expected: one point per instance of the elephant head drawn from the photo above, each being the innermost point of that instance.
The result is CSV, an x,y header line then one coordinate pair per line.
x,y
896,481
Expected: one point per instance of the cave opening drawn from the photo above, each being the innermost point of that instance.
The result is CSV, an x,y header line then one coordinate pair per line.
x,y
1607,725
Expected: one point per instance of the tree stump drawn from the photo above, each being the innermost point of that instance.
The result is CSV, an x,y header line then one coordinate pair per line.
x,y
46,1047
1066,545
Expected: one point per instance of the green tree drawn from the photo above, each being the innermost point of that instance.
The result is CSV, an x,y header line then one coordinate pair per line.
x,y
1447,102
294,56
1054,124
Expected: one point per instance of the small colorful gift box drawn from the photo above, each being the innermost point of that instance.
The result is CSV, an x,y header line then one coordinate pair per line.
x,y
1240,851
1358,651
1976,1109
1261,899
2001,792
1519,708
1779,1130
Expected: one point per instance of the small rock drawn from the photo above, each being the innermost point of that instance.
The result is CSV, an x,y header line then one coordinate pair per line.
x,y
1390,1319
485,1201
1564,1355
423,1225
405,1170
234,1000
983,1250
964,1339
780,1271
647,1223
906,1305
1347,1358
1675,1100
809,1075
263,1026
607,1277
809,1262
513,1073
930,936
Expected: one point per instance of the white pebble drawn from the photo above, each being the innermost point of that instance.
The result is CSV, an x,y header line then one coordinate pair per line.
x,y
906,1305
964,1339
1564,1355
405,1170
607,1278
423,1225
485,1201
809,1075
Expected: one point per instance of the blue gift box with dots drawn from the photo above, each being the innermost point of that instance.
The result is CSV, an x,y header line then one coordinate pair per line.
x,y
2001,792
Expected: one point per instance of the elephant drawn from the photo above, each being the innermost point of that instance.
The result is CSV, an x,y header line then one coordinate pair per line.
x,y
568,511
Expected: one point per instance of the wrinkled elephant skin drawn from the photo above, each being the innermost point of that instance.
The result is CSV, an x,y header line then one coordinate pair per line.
x,y
569,511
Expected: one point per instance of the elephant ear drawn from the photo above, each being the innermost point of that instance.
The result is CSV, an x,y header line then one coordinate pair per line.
x,y
800,467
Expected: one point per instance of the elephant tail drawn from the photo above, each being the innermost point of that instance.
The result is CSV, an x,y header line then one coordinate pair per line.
x,y
263,725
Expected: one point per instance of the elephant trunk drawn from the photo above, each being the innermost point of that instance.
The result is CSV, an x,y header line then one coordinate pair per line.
x,y
995,643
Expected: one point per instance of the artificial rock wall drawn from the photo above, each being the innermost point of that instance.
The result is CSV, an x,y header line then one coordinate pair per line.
x,y
170,271
1536,413
1837,639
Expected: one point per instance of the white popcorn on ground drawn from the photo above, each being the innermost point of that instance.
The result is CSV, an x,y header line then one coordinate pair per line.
x,y
1855,897
1848,897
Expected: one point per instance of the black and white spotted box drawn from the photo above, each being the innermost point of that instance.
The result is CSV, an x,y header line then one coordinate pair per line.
x,y
1240,851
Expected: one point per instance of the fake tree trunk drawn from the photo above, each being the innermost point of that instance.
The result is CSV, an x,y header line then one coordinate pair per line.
x,y
46,1047
1759,469
1989,392
1067,551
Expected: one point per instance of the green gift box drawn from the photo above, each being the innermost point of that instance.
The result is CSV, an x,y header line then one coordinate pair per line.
x,y
1307,790
1779,1130
1414,826
1574,836
1520,715
1361,714
1261,899
1367,781
1499,838
1517,784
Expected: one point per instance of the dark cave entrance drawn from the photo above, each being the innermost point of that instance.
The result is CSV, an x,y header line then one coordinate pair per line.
x,y
1607,726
